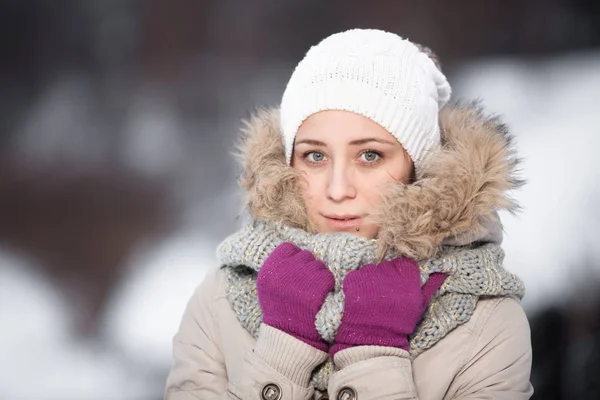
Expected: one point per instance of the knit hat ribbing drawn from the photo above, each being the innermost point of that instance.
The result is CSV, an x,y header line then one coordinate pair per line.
x,y
373,73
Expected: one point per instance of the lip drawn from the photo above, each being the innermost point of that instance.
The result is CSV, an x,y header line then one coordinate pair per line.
x,y
343,221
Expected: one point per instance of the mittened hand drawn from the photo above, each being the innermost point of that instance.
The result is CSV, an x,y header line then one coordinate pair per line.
x,y
292,286
383,304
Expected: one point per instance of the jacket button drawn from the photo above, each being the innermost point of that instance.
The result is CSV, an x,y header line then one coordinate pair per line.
x,y
271,391
346,393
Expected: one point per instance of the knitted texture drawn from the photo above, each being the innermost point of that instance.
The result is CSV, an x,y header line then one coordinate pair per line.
x,y
471,272
373,73
294,311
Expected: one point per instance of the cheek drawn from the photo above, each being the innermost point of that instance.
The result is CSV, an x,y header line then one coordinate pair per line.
x,y
310,187
373,184
402,170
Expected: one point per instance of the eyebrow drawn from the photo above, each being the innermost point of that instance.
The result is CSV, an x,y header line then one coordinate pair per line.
x,y
352,143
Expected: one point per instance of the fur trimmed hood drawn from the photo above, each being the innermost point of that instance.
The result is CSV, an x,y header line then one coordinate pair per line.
x,y
454,199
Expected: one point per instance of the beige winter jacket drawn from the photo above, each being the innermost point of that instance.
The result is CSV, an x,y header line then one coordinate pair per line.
x,y
463,185
215,358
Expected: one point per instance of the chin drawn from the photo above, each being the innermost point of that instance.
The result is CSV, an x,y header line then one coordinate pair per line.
x,y
366,234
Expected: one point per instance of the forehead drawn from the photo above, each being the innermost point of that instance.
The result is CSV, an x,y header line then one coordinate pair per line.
x,y
340,125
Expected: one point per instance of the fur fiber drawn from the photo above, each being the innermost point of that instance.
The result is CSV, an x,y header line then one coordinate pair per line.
x,y
460,186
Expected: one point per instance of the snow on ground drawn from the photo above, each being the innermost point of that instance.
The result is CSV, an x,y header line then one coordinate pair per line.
x,y
39,357
146,310
42,360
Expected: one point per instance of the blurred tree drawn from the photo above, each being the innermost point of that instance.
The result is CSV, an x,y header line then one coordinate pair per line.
x,y
80,225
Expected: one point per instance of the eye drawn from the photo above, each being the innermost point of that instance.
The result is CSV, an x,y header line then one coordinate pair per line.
x,y
370,156
314,156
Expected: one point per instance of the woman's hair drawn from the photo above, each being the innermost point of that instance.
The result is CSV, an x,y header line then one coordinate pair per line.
x,y
434,57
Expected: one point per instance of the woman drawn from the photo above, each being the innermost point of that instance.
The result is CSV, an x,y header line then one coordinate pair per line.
x,y
371,268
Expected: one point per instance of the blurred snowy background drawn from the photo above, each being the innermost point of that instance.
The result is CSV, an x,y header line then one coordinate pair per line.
x,y
116,181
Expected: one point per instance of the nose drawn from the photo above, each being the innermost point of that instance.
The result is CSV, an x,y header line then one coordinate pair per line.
x,y
340,185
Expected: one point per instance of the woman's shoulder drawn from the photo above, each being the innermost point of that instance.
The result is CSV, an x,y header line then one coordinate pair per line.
x,y
495,313
496,334
491,353
499,323
495,319
212,287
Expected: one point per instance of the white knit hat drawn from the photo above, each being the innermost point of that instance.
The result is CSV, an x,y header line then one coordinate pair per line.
x,y
373,73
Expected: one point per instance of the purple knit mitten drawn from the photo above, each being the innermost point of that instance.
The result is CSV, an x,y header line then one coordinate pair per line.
x,y
292,286
383,304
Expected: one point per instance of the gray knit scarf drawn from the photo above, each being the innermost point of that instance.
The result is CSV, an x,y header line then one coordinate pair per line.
x,y
472,271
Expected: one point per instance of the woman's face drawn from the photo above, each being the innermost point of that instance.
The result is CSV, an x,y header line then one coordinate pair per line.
x,y
346,159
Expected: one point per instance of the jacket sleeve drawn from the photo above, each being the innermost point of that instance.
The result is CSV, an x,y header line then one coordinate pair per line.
x,y
497,364
372,372
278,362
